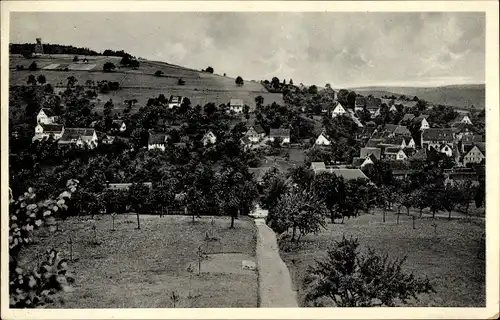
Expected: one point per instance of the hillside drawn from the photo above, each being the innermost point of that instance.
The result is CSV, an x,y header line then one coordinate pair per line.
x,y
141,84
459,96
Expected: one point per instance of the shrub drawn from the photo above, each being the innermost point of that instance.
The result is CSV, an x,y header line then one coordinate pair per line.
x,y
158,73
33,66
108,67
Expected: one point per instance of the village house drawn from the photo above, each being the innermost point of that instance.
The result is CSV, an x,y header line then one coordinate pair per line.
x,y
362,162
338,110
283,134
157,141
419,156
255,133
462,118
318,167
43,131
119,125
446,149
79,137
476,154
322,140
364,133
468,141
236,105
435,137
408,117
209,138
349,174
422,119
393,142
367,156
393,109
46,116
396,154
359,104
462,129
395,130
174,101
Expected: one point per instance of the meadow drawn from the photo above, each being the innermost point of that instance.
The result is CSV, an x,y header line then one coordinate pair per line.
x,y
130,268
448,254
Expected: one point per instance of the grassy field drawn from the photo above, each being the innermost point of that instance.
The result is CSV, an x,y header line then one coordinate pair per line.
x,y
141,268
200,87
450,258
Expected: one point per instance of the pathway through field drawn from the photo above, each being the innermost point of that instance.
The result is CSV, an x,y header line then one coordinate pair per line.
x,y
275,284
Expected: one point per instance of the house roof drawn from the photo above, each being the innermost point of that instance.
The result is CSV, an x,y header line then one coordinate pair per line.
x,y
349,174
318,166
392,150
364,152
175,99
471,139
118,122
395,141
481,146
257,127
421,117
360,102
75,133
273,133
372,143
157,138
52,127
48,112
125,186
438,134
420,155
396,129
408,117
236,102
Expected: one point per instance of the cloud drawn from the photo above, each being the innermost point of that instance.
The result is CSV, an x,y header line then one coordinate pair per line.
x,y
338,48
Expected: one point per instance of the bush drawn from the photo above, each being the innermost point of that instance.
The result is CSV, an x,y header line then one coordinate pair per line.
x,y
158,73
33,66
181,82
108,67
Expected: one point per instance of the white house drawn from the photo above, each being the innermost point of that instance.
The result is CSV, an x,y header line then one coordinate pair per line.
x,y
475,155
236,105
46,130
322,140
157,141
174,101
79,137
446,149
120,125
410,143
209,138
395,154
255,133
463,119
393,109
46,116
339,110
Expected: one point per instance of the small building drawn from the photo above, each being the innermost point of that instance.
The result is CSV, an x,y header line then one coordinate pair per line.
x,y
365,152
446,149
396,154
174,101
392,130
476,154
463,118
43,131
435,137
209,138
393,109
236,105
255,133
283,134
318,167
322,140
46,116
119,125
338,110
79,137
157,141
349,174
422,119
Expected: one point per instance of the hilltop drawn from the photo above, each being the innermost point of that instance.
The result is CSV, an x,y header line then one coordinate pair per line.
x,y
141,83
460,96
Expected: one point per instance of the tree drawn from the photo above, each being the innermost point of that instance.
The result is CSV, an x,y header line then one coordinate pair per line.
x,y
126,60
33,66
108,67
259,101
313,89
158,73
239,81
451,197
274,186
299,211
209,69
41,79
181,82
75,59
138,195
31,80
71,81
349,278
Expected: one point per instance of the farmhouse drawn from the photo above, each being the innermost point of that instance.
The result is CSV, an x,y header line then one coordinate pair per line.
x,y
79,137
407,118
422,119
236,105
468,141
119,125
46,130
322,140
395,154
446,149
255,133
395,130
209,138
361,162
463,118
365,152
359,104
157,141
338,110
174,101
46,116
435,137
283,134
476,154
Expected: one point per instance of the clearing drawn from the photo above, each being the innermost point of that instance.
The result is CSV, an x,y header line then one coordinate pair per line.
x,y
141,268
450,258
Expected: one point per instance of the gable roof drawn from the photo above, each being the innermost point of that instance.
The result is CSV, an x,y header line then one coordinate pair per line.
x,y
157,138
48,112
396,141
75,133
372,143
318,166
236,102
408,117
283,133
396,129
392,150
438,134
421,117
482,147
471,139
52,127
366,151
349,174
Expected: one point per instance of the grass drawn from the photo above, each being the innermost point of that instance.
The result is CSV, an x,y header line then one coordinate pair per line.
x,y
450,259
141,268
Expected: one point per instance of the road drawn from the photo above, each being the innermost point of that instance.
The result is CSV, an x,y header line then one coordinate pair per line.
x,y
275,284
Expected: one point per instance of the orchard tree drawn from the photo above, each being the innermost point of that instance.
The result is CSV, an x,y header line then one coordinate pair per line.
x,y
348,278
239,81
138,196
451,197
209,69
31,80
108,67
275,185
41,79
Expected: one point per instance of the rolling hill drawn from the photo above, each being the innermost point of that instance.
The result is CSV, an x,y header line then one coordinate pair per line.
x,y
141,84
459,96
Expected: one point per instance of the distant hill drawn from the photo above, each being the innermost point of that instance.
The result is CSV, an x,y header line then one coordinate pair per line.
x,y
459,96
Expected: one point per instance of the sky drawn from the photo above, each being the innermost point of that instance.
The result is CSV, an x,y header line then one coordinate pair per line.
x,y
342,49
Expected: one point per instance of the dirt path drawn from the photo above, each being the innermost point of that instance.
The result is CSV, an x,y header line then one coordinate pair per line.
x,y
275,284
